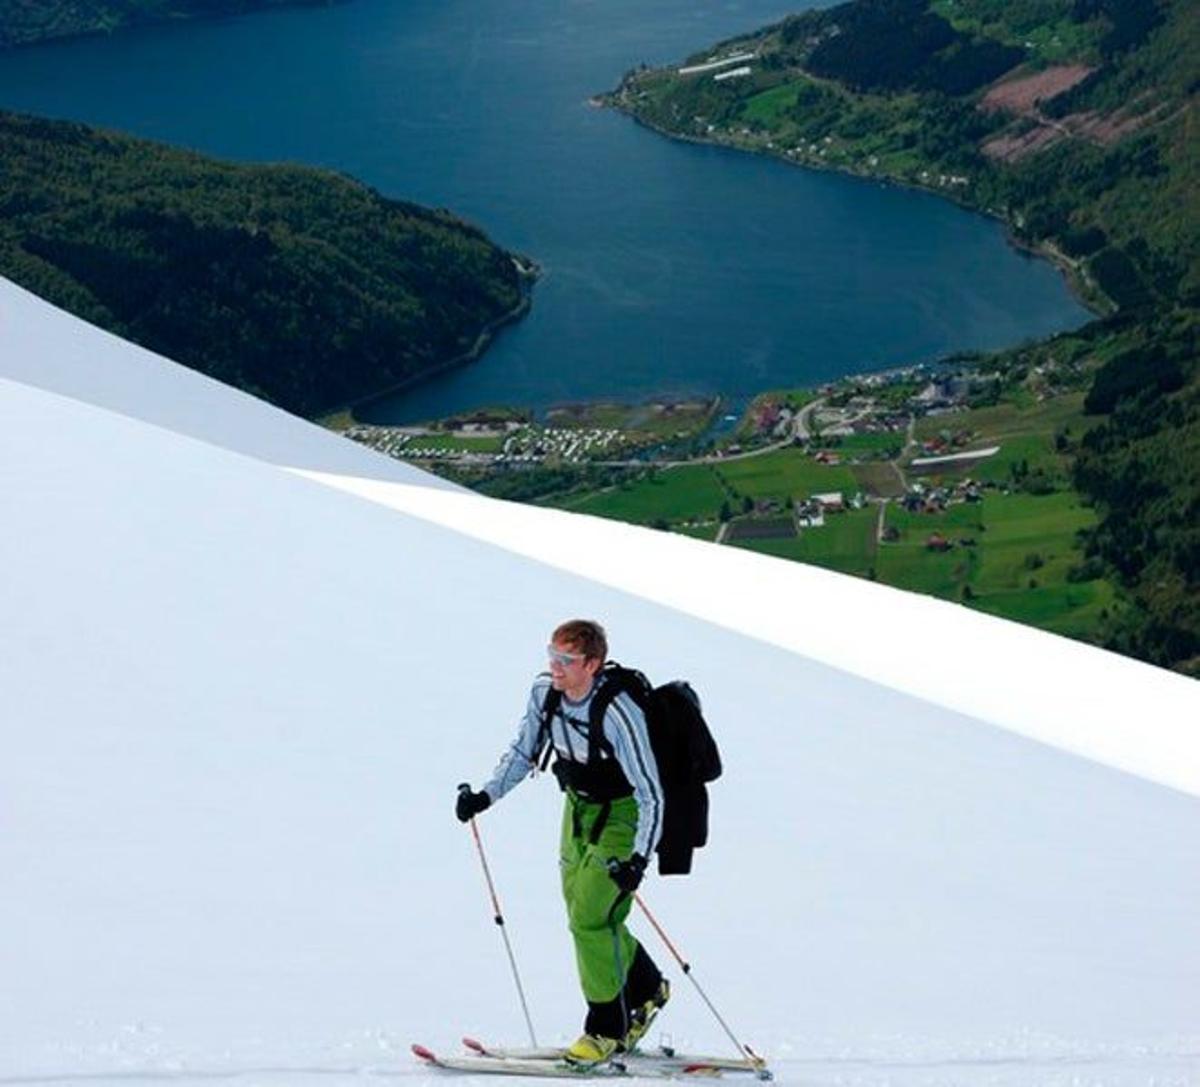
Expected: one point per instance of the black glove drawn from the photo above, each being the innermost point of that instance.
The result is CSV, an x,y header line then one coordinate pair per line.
x,y
470,804
628,874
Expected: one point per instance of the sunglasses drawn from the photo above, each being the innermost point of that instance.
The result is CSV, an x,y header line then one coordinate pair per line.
x,y
558,657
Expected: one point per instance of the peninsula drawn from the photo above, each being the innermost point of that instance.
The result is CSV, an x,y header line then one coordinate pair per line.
x,y
23,23
1074,121
299,285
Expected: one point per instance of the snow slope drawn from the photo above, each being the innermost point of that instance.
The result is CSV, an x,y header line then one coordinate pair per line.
x,y
237,700
40,345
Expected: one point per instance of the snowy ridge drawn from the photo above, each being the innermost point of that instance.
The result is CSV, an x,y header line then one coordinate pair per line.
x,y
1010,675
43,346
237,700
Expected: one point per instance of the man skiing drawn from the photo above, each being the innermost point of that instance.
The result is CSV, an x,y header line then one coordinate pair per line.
x,y
612,820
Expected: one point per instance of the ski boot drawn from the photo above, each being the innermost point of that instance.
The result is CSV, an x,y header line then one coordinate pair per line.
x,y
642,1016
590,1049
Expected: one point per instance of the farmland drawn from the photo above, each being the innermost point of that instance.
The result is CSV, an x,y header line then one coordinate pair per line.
x,y
828,477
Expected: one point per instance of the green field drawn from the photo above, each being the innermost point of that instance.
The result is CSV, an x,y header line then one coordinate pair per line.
x,y
908,563
1010,554
1051,40
783,474
1026,436
1009,420
1023,531
772,107
1073,610
1017,568
858,444
690,493
845,543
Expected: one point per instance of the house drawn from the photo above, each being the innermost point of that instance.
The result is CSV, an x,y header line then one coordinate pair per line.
x,y
832,502
937,542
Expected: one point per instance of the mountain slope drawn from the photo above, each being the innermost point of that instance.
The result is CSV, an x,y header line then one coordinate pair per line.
x,y
24,22
238,702
89,364
1073,120
299,285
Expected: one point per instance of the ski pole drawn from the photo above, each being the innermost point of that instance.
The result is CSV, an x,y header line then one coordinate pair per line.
x,y
759,1064
499,918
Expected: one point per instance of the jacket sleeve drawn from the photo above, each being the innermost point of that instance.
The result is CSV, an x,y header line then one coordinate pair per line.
x,y
520,759
625,729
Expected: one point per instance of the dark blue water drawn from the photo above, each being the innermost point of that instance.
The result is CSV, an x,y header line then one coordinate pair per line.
x,y
668,267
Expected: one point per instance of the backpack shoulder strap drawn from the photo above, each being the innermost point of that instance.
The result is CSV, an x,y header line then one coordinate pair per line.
x,y
545,746
613,679
608,686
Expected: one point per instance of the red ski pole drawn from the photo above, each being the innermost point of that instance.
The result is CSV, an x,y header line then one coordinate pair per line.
x,y
499,918
759,1064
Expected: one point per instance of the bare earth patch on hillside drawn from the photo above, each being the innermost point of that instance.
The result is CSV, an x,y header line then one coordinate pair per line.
x,y
1022,95
1107,128
1104,129
1015,148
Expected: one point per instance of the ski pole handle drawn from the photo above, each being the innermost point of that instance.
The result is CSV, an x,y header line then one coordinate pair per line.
x,y
497,913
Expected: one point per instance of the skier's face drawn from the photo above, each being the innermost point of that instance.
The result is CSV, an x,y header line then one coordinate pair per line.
x,y
570,671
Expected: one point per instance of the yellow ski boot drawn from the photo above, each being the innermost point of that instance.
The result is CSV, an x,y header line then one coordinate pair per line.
x,y
589,1049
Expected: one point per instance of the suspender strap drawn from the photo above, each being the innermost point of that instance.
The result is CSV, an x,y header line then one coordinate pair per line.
x,y
599,824
576,803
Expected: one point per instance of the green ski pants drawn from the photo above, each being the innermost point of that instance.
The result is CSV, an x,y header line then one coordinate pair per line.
x,y
604,947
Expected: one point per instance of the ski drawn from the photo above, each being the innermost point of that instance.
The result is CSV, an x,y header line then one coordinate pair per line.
x,y
550,1068
553,1067
665,1057
528,1053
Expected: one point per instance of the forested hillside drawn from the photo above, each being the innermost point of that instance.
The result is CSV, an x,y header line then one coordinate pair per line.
x,y
299,285
1076,121
23,22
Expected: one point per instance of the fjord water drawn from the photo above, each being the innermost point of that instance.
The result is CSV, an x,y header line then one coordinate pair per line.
x,y
668,267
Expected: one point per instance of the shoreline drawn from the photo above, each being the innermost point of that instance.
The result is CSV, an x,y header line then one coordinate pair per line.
x,y
528,273
1082,289
140,21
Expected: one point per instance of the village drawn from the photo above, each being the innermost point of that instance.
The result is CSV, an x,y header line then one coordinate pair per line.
x,y
857,435
496,444
947,478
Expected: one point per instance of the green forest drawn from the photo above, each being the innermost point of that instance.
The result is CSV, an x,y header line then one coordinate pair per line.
x,y
1076,122
24,22
299,285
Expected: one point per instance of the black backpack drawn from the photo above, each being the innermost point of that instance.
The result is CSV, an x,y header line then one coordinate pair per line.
x,y
684,750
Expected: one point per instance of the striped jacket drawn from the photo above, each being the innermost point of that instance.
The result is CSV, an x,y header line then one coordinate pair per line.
x,y
625,731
